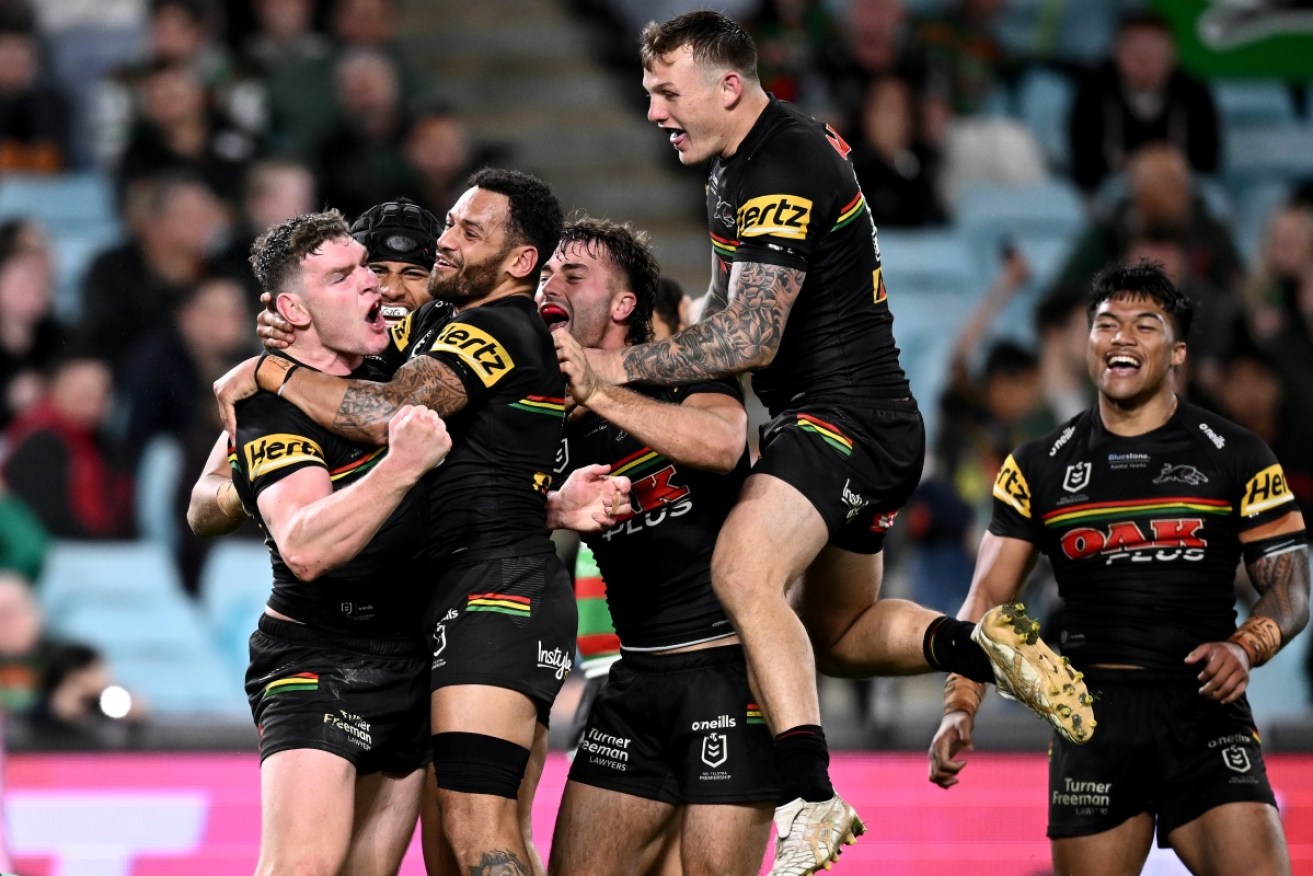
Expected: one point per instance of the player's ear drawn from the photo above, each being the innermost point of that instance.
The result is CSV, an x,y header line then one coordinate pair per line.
x,y
623,305
731,88
291,308
1178,354
521,260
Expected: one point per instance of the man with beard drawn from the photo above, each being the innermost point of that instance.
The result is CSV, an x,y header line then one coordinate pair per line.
x,y
502,616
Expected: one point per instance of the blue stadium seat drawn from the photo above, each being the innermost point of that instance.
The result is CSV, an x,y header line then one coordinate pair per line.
x,y
75,247
234,586
61,202
1272,153
1255,205
1044,100
990,214
108,573
919,260
158,474
1251,103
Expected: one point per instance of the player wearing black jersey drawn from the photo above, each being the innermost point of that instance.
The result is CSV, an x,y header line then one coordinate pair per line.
x,y
675,733
337,666
1145,505
502,617
797,297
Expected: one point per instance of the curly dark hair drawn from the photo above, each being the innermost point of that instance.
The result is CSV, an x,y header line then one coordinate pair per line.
x,y
1145,280
536,216
629,250
715,39
276,255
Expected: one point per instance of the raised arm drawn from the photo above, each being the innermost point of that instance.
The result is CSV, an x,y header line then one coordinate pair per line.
x,y
318,529
214,508
1276,558
744,336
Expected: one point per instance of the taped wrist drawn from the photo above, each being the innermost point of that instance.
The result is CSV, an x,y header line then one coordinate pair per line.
x,y
229,502
273,372
1259,637
962,694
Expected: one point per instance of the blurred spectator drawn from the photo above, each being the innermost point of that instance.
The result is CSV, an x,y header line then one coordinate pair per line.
x,y
35,115
1162,201
85,41
670,312
275,191
166,382
179,128
58,462
1284,268
29,332
1217,313
1249,392
1063,328
438,156
875,41
792,37
294,64
967,65
174,223
1139,96
361,163
896,169
78,703
22,649
375,25
23,540
179,32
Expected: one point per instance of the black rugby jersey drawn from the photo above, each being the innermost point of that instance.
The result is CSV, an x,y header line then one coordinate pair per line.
x,y
416,330
1143,532
657,563
789,197
375,594
489,497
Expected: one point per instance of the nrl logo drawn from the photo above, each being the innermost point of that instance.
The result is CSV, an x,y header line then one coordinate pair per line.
x,y
715,749
1077,477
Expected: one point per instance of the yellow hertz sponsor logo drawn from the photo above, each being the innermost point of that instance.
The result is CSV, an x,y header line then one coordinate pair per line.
x,y
877,280
1265,490
272,452
401,332
777,215
1010,487
477,349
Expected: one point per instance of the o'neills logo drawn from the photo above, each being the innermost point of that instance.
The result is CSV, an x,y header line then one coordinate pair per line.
x,y
721,723
556,659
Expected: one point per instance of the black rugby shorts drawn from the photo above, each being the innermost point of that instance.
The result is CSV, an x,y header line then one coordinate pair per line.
x,y
857,463
1160,748
680,728
365,700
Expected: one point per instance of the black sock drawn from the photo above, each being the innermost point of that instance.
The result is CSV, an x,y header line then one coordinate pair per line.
x,y
948,647
803,763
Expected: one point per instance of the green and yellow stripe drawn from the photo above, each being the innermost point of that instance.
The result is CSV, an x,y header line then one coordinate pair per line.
x,y
541,404
850,211
827,431
501,603
360,466
754,714
302,681
637,462
1092,512
724,247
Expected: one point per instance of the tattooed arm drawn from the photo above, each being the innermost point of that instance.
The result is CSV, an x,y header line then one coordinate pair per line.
x,y
744,336
1280,574
360,409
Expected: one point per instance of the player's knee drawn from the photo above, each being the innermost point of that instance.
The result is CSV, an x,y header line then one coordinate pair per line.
x,y
474,763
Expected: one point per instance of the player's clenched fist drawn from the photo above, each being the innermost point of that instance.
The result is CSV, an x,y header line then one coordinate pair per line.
x,y
417,439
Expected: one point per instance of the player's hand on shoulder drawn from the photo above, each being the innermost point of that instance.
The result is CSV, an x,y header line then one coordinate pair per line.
x,y
417,439
237,384
1223,670
270,327
952,738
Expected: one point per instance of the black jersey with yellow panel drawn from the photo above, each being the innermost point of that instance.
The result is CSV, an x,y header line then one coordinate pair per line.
x,y
1143,532
489,497
657,562
418,329
788,197
375,594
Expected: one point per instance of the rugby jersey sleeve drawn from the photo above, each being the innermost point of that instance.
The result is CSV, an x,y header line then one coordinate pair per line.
x,y
482,347
1262,491
274,439
1014,514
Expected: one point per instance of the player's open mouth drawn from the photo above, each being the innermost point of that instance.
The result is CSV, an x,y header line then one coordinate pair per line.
x,y
1121,363
678,137
375,314
554,315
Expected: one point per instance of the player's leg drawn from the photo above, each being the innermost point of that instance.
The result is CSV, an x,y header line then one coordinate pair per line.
x,y
482,736
1119,851
306,812
533,773
724,839
661,857
600,832
387,806
1237,839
